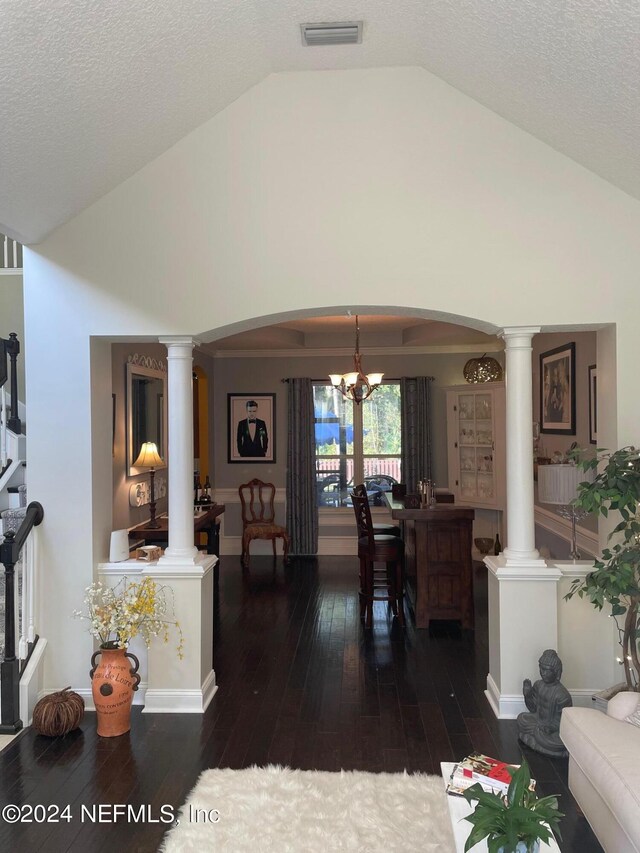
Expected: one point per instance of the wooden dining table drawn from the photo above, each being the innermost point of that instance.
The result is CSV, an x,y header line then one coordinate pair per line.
x,y
438,565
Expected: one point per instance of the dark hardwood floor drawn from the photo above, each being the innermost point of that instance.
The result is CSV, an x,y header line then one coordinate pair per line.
x,y
300,683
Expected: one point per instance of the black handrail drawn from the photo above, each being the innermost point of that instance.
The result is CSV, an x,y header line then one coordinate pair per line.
x,y
11,347
10,667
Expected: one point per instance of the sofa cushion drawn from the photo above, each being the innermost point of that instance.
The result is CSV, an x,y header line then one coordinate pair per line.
x,y
608,753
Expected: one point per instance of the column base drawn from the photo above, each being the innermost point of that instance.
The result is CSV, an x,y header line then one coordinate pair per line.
x,y
534,569
523,622
506,706
181,557
159,701
522,558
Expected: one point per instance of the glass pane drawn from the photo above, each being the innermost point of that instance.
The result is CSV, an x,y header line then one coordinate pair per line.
x,y
467,432
468,485
484,434
334,446
379,477
485,486
381,420
466,407
483,406
467,459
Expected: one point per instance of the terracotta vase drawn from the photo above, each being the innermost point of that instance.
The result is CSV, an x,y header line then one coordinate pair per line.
x,y
113,683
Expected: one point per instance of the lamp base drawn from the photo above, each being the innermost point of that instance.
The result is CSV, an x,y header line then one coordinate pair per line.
x,y
573,514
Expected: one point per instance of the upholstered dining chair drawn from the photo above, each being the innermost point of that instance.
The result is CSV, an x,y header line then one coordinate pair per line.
x,y
258,514
378,584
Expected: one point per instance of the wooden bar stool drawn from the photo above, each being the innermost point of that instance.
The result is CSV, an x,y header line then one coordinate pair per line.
x,y
379,527
377,584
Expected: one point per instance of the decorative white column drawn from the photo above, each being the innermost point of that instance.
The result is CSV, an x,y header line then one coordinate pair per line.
x,y
180,549
521,542
523,597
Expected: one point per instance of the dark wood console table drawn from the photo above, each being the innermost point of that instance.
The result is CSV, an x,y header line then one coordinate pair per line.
x,y
203,522
438,567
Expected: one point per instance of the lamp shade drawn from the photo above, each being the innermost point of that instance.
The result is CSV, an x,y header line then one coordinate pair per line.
x,y
558,484
483,369
149,456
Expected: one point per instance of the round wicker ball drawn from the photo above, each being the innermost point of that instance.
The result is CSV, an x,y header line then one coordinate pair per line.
x,y
58,713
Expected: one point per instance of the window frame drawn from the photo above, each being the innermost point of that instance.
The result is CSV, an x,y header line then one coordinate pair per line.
x,y
359,457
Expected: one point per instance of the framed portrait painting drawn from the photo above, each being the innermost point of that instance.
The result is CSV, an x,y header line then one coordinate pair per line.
x,y
558,390
251,428
593,404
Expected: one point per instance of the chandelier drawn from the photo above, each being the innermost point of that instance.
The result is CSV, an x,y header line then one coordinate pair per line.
x,y
483,369
356,385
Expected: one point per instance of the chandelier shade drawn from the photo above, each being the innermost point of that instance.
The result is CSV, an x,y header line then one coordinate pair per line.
x,y
356,385
483,369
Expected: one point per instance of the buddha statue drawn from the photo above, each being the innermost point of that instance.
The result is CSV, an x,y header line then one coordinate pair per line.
x,y
545,700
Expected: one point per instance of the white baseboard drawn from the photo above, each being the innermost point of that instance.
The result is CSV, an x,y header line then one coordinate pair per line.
x,y
181,701
327,546
506,706
583,697
85,692
31,682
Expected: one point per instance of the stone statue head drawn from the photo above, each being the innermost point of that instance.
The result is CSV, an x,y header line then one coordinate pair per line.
x,y
550,666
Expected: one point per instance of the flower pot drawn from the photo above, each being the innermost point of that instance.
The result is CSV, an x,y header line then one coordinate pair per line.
x,y
522,848
113,682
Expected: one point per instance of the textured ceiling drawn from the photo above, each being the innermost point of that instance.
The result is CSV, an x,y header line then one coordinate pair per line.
x,y
90,92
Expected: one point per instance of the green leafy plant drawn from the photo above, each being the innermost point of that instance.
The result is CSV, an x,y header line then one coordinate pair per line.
x,y
519,817
616,576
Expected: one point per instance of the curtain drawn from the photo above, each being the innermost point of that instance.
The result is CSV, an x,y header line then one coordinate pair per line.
x,y
415,394
302,511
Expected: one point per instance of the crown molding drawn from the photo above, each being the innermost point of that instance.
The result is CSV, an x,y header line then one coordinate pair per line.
x,y
348,351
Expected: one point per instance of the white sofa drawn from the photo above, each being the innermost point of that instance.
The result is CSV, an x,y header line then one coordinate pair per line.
x,y
604,770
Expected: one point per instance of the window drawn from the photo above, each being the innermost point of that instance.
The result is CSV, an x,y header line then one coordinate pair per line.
x,y
356,444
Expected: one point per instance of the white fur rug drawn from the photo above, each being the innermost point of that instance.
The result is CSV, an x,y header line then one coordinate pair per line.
x,y
279,810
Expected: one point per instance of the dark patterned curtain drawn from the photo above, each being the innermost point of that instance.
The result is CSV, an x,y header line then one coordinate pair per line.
x,y
416,430
302,511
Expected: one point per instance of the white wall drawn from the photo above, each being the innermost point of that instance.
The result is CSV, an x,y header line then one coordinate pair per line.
x,y
382,189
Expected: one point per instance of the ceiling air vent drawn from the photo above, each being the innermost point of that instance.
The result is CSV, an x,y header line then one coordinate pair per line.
x,y
343,32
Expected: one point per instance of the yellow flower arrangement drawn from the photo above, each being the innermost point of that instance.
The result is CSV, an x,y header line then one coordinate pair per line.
x,y
129,609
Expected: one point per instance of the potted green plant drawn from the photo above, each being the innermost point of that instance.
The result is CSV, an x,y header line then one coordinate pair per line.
x,y
616,576
515,822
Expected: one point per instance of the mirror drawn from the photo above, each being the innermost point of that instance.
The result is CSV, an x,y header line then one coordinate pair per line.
x,y
146,413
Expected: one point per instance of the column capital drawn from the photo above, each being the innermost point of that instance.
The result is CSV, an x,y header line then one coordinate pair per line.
x,y
510,334
171,341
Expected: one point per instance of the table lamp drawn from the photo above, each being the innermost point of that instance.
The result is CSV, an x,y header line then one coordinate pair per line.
x,y
151,459
558,485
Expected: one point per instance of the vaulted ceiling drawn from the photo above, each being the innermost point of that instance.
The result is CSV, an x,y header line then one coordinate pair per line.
x,y
91,92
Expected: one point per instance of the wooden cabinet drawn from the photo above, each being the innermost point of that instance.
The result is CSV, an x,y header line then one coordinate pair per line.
x,y
476,444
438,569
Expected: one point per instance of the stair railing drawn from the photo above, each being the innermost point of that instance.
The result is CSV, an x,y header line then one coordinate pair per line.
x,y
10,253
9,415
10,668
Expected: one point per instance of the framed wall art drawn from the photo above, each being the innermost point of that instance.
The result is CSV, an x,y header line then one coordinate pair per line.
x,y
593,404
558,390
251,427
